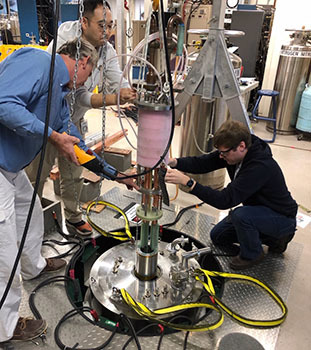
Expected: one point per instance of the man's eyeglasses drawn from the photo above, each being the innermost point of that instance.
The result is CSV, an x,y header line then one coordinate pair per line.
x,y
110,26
101,25
223,153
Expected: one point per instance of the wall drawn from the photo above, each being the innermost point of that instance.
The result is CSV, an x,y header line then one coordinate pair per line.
x,y
289,14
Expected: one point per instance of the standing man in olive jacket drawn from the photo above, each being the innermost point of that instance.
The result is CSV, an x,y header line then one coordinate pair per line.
x,y
268,211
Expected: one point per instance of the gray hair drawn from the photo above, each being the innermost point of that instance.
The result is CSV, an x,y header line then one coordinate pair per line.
x,y
69,48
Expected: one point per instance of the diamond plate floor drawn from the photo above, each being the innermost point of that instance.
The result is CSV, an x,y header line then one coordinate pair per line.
x,y
277,271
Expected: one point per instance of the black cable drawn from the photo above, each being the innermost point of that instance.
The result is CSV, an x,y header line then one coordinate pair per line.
x,y
53,279
160,341
51,246
171,320
123,317
81,242
139,332
63,255
67,316
193,322
78,253
45,137
181,212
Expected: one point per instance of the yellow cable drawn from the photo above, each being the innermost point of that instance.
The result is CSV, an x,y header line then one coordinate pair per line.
x,y
144,311
245,321
122,236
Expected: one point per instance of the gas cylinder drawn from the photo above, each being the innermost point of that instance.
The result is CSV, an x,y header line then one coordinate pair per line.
x,y
304,114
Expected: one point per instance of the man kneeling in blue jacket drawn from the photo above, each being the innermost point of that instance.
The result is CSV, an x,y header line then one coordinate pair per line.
x,y
268,211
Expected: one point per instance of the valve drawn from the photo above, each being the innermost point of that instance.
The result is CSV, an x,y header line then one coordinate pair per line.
x,y
174,246
193,254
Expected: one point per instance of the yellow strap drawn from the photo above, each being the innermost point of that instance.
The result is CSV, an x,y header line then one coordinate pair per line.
x,y
144,311
243,320
122,236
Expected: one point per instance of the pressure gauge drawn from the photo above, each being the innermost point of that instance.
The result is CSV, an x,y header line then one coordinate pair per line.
x,y
232,3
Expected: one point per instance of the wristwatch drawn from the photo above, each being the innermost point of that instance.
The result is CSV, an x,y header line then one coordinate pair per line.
x,y
190,183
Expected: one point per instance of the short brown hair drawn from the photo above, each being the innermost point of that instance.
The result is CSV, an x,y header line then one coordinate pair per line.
x,y
69,48
231,133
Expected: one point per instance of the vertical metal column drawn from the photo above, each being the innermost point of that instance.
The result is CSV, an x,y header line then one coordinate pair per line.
x,y
120,44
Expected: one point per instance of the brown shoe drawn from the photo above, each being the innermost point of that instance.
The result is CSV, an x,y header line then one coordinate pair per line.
x,y
81,228
53,264
28,328
237,263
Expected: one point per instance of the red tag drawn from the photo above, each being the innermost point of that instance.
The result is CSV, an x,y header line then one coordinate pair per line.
x,y
72,274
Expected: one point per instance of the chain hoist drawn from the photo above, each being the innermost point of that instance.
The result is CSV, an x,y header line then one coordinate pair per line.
x,y
103,87
104,76
77,57
73,93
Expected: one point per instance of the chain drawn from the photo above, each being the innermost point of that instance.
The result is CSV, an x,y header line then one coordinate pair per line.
x,y
74,80
103,89
104,80
73,95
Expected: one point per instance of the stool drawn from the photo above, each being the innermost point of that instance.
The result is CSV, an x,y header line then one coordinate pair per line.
x,y
273,94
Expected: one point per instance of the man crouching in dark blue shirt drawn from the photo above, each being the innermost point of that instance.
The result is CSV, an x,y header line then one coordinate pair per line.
x,y
268,211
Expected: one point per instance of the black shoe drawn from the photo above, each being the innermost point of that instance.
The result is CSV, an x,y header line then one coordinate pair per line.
x,y
280,245
237,263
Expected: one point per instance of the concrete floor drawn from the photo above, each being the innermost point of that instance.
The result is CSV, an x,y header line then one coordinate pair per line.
x,y
295,161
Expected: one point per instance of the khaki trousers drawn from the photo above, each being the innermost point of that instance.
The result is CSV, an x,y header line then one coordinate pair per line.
x,y
70,180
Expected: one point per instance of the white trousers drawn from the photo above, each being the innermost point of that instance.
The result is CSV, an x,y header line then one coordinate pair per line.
x,y
15,198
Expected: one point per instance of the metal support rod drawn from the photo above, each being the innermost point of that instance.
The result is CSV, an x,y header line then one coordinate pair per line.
x,y
120,33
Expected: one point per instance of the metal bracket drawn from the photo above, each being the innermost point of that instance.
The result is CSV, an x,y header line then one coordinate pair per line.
x,y
212,75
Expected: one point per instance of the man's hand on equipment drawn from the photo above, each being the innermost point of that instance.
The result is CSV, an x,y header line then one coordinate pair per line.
x,y
127,95
176,177
64,143
130,183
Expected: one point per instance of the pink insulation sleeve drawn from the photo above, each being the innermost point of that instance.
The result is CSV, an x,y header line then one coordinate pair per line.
x,y
153,134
